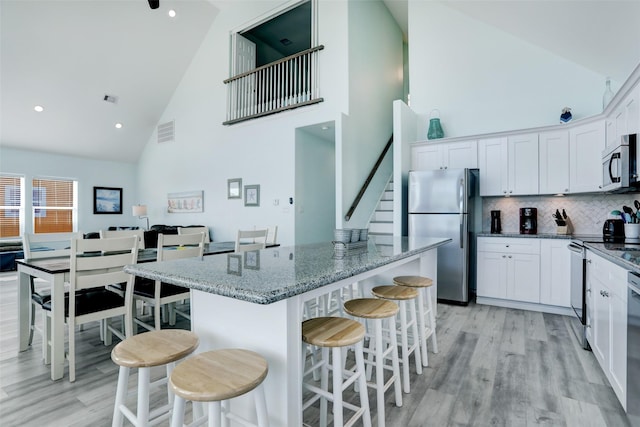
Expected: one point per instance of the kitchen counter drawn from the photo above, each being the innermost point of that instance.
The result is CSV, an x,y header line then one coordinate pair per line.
x,y
527,236
616,253
270,275
257,300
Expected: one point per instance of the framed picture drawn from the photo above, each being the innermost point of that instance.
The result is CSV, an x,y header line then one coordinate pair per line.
x,y
252,195
252,260
107,200
234,264
188,202
234,188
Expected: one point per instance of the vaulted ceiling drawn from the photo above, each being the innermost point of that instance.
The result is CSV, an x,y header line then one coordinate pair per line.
x,y
66,55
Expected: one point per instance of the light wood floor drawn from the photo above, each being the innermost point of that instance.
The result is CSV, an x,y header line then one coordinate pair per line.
x,y
496,367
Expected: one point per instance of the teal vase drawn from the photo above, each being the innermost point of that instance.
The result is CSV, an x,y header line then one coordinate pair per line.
x,y
435,128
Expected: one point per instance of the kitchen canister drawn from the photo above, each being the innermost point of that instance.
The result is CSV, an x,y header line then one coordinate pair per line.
x,y
435,128
631,231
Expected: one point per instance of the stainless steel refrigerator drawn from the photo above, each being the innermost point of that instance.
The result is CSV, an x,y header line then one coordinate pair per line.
x,y
442,203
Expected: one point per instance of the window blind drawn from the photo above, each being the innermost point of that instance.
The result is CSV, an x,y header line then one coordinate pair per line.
x,y
52,205
10,207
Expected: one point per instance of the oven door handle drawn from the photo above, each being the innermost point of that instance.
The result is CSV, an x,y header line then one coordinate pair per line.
x,y
575,248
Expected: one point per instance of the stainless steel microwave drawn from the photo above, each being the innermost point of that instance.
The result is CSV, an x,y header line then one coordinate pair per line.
x,y
620,166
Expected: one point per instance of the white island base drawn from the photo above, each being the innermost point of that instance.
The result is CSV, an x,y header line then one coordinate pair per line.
x,y
274,331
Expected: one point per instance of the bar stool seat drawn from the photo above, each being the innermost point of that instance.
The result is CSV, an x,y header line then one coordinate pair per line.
x,y
426,316
380,347
336,333
144,351
403,296
215,377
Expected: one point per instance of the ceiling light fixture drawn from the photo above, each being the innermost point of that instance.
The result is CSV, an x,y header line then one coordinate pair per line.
x,y
172,13
39,108
118,125
154,4
285,41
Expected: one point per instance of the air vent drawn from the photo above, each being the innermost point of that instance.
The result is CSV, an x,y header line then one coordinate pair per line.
x,y
110,98
166,131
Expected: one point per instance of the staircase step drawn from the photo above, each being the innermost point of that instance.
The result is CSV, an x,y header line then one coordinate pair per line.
x,y
381,238
385,205
381,227
382,216
387,195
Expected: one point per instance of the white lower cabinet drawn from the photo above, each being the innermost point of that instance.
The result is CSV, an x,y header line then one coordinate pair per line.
x,y
607,283
555,272
509,268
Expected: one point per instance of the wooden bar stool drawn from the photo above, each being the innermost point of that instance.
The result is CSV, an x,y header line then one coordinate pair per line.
x,y
406,298
215,377
336,333
426,317
144,351
380,348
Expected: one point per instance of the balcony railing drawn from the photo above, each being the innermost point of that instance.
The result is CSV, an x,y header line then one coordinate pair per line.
x,y
288,83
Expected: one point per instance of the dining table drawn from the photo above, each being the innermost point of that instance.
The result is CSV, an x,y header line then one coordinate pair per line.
x,y
55,271
257,300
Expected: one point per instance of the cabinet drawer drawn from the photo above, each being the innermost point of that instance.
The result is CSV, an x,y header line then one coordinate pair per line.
x,y
509,244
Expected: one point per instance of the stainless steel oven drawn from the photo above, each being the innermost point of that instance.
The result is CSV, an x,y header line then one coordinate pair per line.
x,y
578,292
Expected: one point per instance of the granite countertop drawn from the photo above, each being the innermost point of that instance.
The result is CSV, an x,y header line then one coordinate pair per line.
x,y
274,274
626,257
527,236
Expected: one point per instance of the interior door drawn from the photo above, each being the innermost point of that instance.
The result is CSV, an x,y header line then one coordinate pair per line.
x,y
244,59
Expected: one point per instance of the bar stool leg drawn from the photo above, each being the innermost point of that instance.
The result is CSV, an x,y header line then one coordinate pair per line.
x,y
423,328
337,386
364,399
144,376
432,320
261,406
177,418
121,395
416,337
395,360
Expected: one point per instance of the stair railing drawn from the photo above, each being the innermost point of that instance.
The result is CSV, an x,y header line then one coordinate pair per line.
x,y
355,203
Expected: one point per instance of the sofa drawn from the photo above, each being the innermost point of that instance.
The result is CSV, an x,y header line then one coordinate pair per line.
x,y
10,250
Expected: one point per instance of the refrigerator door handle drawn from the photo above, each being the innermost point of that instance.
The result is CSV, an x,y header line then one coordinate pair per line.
x,y
463,227
462,196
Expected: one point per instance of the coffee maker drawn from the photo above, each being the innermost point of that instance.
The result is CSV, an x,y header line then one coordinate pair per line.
x,y
496,227
528,221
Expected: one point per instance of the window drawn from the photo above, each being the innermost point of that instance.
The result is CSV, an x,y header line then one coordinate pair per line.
x,y
11,206
54,205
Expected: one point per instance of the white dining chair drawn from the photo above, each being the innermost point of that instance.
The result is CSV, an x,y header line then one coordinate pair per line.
x,y
250,240
158,294
95,264
38,246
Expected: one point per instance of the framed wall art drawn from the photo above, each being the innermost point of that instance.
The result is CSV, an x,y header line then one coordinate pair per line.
x,y
252,195
107,200
187,202
234,188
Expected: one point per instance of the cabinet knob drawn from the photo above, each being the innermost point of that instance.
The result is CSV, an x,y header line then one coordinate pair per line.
x,y
504,191
566,190
588,261
445,167
504,256
605,294
600,186
509,256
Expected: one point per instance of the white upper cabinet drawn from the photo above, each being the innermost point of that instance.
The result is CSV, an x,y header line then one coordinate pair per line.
x,y
451,155
508,166
624,119
586,143
554,161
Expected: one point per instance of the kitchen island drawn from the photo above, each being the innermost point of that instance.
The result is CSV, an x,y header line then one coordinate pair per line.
x,y
255,300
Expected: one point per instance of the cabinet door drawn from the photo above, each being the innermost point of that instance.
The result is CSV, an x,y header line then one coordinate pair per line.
x,y
632,111
523,164
618,342
586,143
426,157
611,134
600,321
460,155
491,275
554,159
492,162
555,272
523,277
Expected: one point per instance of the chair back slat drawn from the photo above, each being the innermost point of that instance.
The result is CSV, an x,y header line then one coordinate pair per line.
x,y
124,233
195,230
177,246
47,245
251,240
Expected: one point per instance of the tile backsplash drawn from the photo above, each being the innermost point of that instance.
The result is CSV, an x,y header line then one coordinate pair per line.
x,y
586,212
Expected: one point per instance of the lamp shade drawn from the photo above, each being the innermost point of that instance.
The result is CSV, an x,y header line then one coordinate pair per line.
x,y
139,210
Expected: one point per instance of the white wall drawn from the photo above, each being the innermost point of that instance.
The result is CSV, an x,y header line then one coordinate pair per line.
x,y
484,80
89,173
206,153
375,81
315,190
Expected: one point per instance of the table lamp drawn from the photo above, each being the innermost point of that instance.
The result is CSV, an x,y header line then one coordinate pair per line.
x,y
141,212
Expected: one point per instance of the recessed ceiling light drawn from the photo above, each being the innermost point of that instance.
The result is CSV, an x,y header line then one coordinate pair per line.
x,y
39,108
172,13
118,125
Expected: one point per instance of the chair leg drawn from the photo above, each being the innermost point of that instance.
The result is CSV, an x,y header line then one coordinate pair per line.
x,y
32,324
72,352
46,340
156,315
